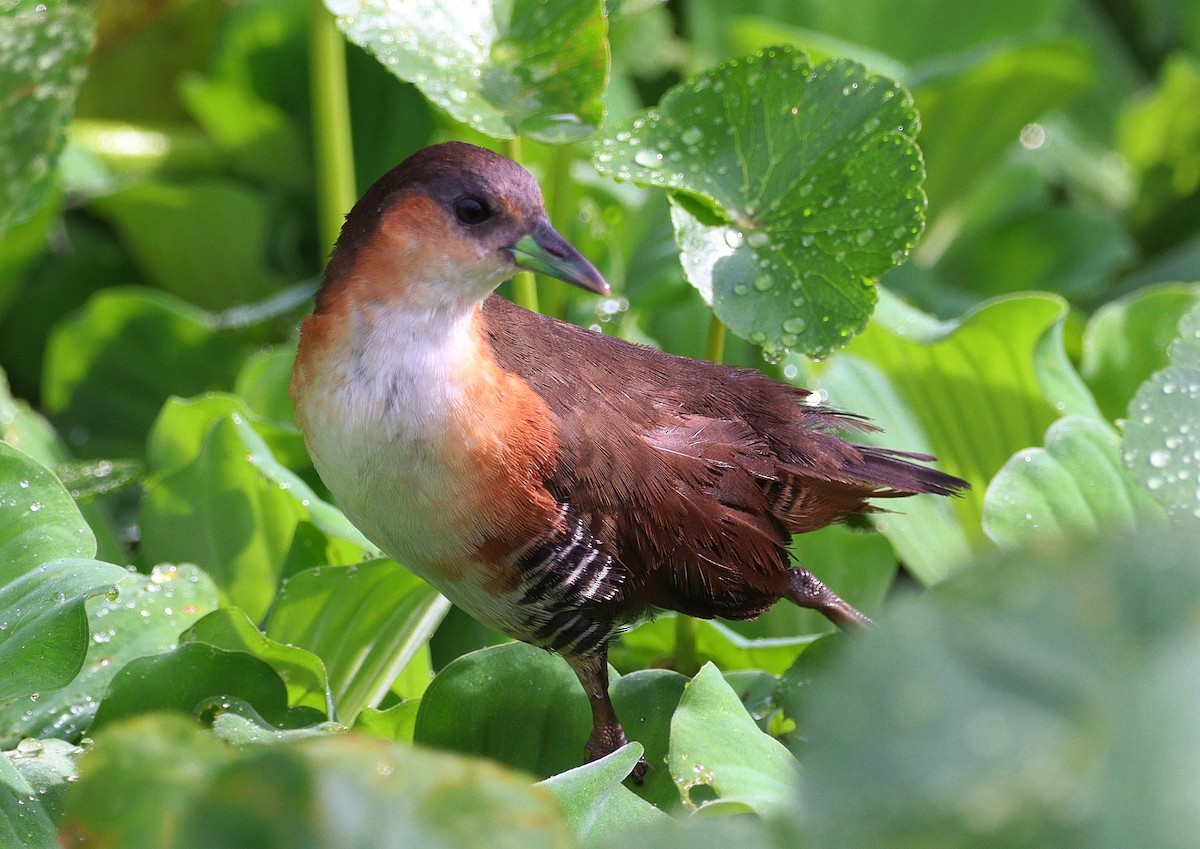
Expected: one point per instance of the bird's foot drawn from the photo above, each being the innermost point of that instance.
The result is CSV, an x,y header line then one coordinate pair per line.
x,y
808,591
606,739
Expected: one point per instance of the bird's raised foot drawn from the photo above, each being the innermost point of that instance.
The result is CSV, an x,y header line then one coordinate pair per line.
x,y
808,591
606,739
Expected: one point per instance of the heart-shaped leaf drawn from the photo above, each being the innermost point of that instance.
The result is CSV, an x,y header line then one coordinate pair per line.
x,y
502,66
796,188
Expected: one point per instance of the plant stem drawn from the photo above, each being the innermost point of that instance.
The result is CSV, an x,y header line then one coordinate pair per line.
x,y
714,350
333,150
524,286
562,211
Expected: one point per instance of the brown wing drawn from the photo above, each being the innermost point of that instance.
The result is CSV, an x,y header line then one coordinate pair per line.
x,y
691,474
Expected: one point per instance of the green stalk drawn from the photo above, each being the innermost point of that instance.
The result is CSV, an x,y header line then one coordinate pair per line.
x,y
553,298
686,628
524,286
333,151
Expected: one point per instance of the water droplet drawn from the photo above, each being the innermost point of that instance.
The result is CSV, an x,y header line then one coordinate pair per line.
x,y
648,159
758,239
795,324
764,283
1159,459
691,136
865,236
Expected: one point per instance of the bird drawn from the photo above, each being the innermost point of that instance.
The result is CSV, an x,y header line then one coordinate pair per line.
x,y
556,483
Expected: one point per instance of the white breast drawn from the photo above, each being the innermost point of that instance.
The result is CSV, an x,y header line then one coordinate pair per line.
x,y
379,430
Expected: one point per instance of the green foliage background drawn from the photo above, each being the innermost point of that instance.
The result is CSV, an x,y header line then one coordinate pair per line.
x,y
977,224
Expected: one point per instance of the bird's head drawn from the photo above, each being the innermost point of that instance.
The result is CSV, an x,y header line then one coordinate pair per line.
x,y
447,226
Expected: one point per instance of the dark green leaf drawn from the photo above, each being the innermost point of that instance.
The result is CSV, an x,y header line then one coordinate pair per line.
x,y
799,187
653,642
303,672
42,52
110,367
520,66
198,679
144,617
38,518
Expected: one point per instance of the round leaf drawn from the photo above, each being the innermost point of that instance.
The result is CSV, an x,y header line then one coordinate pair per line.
x,y
501,66
798,187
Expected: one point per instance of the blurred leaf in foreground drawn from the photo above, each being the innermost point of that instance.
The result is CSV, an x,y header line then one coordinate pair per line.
x,y
1045,698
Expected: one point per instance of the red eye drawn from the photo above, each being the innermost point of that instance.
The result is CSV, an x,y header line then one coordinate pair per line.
x,y
471,210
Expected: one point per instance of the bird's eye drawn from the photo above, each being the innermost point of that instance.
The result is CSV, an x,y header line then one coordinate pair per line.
x,y
472,210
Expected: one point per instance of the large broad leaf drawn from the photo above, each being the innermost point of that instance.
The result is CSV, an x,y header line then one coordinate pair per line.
x,y
322,793
716,746
201,680
1048,698
1162,435
110,367
143,617
520,66
303,672
366,622
1126,341
42,52
46,576
653,643
205,242
1074,486
797,187
973,392
233,508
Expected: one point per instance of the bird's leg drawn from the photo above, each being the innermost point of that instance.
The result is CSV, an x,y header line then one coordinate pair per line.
x,y
607,734
807,591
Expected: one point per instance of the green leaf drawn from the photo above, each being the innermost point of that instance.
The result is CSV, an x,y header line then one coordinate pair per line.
x,y
988,98
797,188
234,509
303,672
160,760
596,803
1126,341
327,792
205,243
985,713
972,392
38,518
653,642
42,53
1162,440
48,766
715,744
24,820
199,679
512,703
366,622
110,367
1074,486
396,723
46,576
503,68
263,383
144,617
